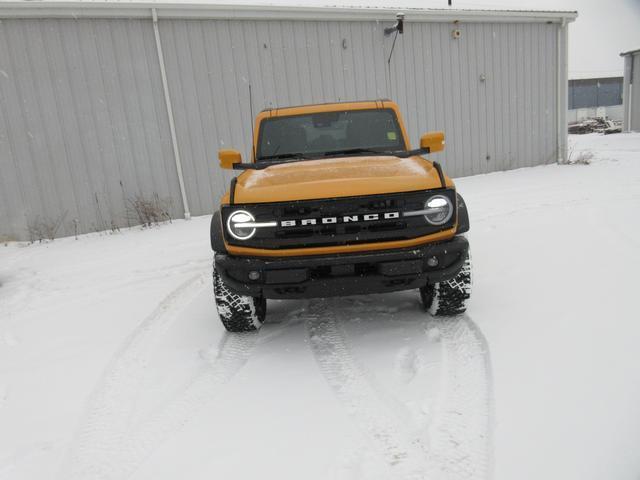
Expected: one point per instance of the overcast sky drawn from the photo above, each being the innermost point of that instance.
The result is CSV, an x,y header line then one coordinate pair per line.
x,y
603,29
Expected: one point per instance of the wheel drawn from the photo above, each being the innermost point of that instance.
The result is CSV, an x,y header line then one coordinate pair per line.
x,y
449,297
238,313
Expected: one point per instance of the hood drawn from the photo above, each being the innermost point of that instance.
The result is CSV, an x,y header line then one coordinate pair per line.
x,y
336,177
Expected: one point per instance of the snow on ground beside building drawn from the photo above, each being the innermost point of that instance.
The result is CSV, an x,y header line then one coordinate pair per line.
x,y
114,365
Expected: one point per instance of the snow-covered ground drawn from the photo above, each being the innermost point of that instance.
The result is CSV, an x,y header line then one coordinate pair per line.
x,y
113,364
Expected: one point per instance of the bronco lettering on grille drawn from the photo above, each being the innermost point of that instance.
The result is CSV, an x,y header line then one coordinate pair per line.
x,y
344,219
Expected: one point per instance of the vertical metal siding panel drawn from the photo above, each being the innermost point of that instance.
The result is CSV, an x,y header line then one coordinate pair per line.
x,y
542,94
198,115
518,134
502,38
109,71
376,39
443,54
535,80
553,86
119,71
302,62
81,124
433,61
343,55
157,123
451,85
313,55
211,95
411,85
498,35
16,142
289,47
267,65
235,86
229,81
635,100
514,106
190,102
132,122
276,49
68,127
491,98
478,64
143,116
541,157
472,52
109,200
55,151
254,67
467,131
424,59
548,95
542,80
483,108
12,214
39,171
422,87
244,79
522,34
332,60
330,89
364,81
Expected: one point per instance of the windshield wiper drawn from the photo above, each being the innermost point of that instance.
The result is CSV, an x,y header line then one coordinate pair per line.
x,y
283,156
354,150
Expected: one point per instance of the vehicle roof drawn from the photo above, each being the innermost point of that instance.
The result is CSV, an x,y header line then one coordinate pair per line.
x,y
328,107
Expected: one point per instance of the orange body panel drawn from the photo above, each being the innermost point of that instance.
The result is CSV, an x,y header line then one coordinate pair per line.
x,y
335,177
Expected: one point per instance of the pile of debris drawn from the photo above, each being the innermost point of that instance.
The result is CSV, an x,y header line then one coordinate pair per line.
x,y
595,125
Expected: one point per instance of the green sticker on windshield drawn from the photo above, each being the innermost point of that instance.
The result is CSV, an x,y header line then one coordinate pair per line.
x,y
391,136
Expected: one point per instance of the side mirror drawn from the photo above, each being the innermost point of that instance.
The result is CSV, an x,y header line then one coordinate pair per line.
x,y
228,158
432,141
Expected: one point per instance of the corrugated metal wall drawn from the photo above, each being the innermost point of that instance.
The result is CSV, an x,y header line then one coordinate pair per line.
x,y
595,92
631,93
84,126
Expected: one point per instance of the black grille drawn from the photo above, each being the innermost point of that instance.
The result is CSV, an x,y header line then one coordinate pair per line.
x,y
340,233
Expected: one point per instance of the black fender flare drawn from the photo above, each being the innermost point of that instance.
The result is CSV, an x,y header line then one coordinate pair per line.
x,y
217,239
463,215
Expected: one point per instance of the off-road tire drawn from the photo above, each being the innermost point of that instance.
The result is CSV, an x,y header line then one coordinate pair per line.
x,y
451,296
238,313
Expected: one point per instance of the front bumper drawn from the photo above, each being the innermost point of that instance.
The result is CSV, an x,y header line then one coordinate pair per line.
x,y
343,274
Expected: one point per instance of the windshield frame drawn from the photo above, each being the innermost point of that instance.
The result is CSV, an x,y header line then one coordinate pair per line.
x,y
319,155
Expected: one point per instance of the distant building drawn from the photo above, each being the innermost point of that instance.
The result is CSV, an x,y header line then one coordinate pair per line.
x,y
595,97
631,95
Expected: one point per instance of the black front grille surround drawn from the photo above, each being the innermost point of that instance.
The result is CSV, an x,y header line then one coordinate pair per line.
x,y
355,232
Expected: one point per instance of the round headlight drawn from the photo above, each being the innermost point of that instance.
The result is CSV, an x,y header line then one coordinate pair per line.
x,y
438,210
237,225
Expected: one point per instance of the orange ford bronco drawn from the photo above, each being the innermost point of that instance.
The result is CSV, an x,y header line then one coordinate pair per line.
x,y
335,202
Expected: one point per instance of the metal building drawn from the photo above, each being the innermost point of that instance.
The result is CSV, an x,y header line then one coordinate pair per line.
x,y
595,97
631,95
102,103
595,92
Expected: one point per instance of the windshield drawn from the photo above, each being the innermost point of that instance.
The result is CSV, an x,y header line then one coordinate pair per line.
x,y
329,133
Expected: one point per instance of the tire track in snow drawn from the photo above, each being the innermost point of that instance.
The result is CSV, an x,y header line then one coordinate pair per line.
x,y
456,443
349,381
460,432
106,447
